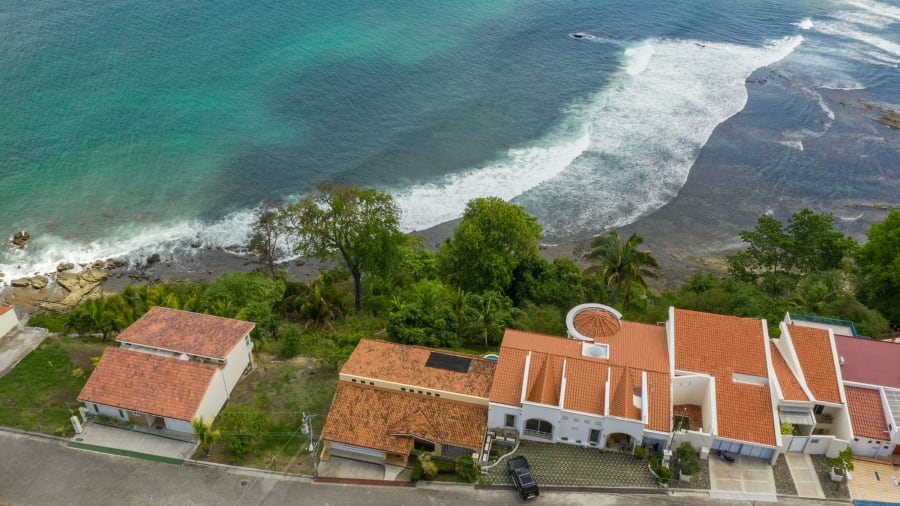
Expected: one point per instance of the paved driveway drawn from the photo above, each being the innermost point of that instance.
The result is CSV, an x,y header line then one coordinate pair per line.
x,y
875,482
576,466
15,345
747,479
128,441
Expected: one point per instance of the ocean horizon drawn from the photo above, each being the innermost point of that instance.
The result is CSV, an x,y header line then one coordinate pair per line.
x,y
130,129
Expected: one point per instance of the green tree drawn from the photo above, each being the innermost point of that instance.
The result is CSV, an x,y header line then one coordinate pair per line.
x,y
487,246
879,268
358,226
560,283
251,296
775,253
467,469
622,266
101,315
265,237
204,433
241,426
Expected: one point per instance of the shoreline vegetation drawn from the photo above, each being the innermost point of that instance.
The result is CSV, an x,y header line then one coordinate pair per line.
x,y
487,276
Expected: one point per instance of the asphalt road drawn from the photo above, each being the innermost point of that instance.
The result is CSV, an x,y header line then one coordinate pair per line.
x,y
43,472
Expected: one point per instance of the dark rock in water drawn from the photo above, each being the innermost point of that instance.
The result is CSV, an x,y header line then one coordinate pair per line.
x,y
65,266
98,264
20,239
196,244
152,259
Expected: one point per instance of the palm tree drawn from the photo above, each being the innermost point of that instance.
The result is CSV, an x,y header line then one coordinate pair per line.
x,y
621,264
204,432
102,315
487,317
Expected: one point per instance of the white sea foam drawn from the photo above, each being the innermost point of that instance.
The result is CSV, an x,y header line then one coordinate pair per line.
x,y
646,131
847,30
864,18
878,8
804,24
798,145
426,205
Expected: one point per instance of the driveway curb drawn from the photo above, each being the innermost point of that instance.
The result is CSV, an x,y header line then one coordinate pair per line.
x,y
125,453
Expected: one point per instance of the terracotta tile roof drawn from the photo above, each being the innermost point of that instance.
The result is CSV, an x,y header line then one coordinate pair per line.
x,y
385,420
814,352
866,413
720,346
586,376
544,379
186,332
869,361
585,386
790,385
660,401
4,309
507,385
595,323
405,364
153,384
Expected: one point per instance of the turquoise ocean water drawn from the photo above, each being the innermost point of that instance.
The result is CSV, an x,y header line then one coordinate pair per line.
x,y
128,127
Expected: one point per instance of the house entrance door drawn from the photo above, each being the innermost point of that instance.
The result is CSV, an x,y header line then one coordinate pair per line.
x,y
798,444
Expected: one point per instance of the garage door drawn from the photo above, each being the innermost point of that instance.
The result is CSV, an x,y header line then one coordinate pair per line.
x,y
356,453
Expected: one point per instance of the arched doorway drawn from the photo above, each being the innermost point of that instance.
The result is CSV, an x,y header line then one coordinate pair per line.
x,y
535,427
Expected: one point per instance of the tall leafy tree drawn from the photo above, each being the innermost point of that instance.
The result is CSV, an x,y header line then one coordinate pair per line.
x,y
265,238
879,268
358,226
814,244
102,315
491,240
622,265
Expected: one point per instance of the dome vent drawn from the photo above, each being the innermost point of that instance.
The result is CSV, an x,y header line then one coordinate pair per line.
x,y
589,322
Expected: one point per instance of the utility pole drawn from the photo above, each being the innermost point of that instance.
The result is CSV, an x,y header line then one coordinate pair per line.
x,y
307,428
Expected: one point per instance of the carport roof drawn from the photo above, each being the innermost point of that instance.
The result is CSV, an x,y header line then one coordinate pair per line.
x,y
152,384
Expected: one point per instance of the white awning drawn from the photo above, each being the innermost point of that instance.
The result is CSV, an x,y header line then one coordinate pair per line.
x,y
796,416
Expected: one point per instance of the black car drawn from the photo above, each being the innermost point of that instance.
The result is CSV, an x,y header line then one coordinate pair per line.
x,y
522,478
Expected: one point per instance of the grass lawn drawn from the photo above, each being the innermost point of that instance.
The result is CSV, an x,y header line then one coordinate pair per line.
x,y
38,393
283,390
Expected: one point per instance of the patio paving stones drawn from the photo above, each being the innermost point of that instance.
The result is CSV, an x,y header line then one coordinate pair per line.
x,y
575,466
804,475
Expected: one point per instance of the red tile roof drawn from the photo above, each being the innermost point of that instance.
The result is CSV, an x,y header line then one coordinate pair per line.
x,y
813,348
866,413
4,309
405,364
387,420
790,385
869,361
596,323
152,384
638,347
186,332
721,346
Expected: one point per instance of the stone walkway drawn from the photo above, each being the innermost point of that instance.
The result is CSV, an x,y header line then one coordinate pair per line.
x,y
575,466
804,474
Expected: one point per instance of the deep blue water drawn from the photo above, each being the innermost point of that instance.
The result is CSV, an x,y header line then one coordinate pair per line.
x,y
131,126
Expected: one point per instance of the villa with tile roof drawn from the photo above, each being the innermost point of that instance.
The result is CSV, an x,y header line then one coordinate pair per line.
x,y
393,399
871,380
8,320
608,381
172,366
809,389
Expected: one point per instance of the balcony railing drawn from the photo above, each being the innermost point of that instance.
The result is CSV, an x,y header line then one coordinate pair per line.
x,y
537,434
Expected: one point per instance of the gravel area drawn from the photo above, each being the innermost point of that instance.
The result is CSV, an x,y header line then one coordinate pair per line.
x,y
832,490
784,483
698,481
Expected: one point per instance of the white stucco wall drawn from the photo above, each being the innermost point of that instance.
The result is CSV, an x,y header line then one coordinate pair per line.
x,y
497,416
236,361
215,398
690,389
110,411
576,428
179,425
8,321
548,413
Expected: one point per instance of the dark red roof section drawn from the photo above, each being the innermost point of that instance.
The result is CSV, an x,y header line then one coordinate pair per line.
x,y
869,361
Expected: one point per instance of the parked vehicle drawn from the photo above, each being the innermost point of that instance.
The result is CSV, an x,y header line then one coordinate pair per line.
x,y
725,456
521,476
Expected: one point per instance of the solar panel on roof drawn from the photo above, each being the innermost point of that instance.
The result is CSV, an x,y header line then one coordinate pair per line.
x,y
448,362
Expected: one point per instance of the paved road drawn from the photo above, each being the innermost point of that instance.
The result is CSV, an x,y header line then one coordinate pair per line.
x,y
39,471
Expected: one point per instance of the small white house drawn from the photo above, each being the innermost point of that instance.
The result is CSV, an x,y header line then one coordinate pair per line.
x,y
171,367
8,320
